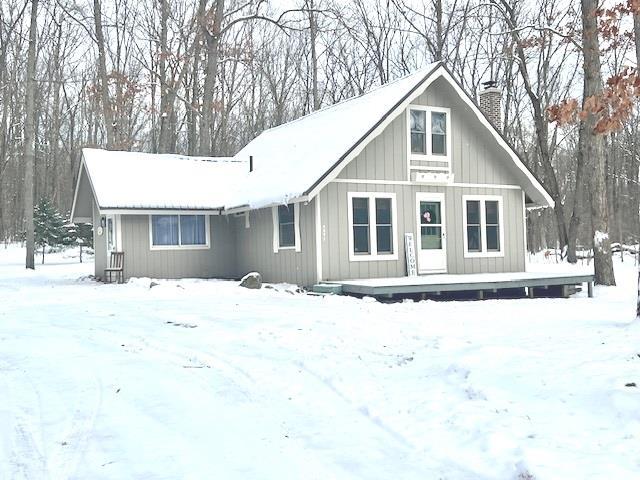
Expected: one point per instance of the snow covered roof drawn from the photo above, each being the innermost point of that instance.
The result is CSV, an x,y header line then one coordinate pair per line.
x,y
291,162
133,180
296,159
290,158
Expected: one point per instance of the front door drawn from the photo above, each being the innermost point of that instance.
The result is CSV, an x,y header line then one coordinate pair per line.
x,y
431,245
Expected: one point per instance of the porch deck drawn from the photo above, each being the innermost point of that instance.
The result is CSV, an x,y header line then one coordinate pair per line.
x,y
477,282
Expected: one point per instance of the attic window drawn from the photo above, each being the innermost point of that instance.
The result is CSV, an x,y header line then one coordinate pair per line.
x,y
438,133
429,132
418,132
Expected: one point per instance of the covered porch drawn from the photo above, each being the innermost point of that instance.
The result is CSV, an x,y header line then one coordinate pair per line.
x,y
477,285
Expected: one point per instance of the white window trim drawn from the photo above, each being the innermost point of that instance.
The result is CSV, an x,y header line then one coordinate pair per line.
x,y
276,229
373,238
207,232
429,156
483,226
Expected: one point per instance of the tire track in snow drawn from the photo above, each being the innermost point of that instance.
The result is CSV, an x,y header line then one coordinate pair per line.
x,y
363,410
69,455
27,459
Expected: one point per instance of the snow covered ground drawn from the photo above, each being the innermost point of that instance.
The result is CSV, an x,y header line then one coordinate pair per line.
x,y
202,379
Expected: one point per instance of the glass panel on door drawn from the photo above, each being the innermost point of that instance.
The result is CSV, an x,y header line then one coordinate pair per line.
x,y
111,236
430,226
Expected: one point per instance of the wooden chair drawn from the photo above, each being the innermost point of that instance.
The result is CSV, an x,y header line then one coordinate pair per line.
x,y
116,265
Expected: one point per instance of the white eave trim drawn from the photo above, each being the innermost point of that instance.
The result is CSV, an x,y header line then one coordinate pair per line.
x,y
158,211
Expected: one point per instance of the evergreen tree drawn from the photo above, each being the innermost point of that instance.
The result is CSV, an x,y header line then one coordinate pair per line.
x,y
48,225
80,234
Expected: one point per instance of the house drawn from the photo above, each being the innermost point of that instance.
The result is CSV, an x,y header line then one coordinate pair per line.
x,y
329,196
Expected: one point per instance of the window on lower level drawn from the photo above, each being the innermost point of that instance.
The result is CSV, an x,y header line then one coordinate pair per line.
x,y
179,231
361,226
483,225
474,228
286,226
384,227
492,227
372,228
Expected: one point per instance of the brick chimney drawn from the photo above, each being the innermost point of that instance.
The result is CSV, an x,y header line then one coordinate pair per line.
x,y
490,96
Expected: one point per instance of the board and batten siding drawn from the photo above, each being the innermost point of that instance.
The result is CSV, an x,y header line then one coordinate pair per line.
x,y
217,261
476,157
477,161
335,244
255,248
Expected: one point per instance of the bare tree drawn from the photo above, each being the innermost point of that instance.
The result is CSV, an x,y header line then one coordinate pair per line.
x,y
29,135
103,76
592,147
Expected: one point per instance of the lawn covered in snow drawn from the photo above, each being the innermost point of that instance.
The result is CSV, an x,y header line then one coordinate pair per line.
x,y
202,379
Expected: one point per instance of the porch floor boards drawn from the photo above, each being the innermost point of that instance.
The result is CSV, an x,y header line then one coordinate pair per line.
x,y
478,282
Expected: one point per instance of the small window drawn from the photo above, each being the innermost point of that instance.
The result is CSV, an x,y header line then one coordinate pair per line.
x,y
438,133
473,226
429,130
384,228
179,231
418,132
492,225
286,226
483,231
361,226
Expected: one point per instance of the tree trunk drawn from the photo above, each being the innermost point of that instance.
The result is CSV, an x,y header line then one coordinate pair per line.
x,y
58,173
211,72
638,302
313,33
574,223
592,146
636,30
109,125
29,136
165,114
